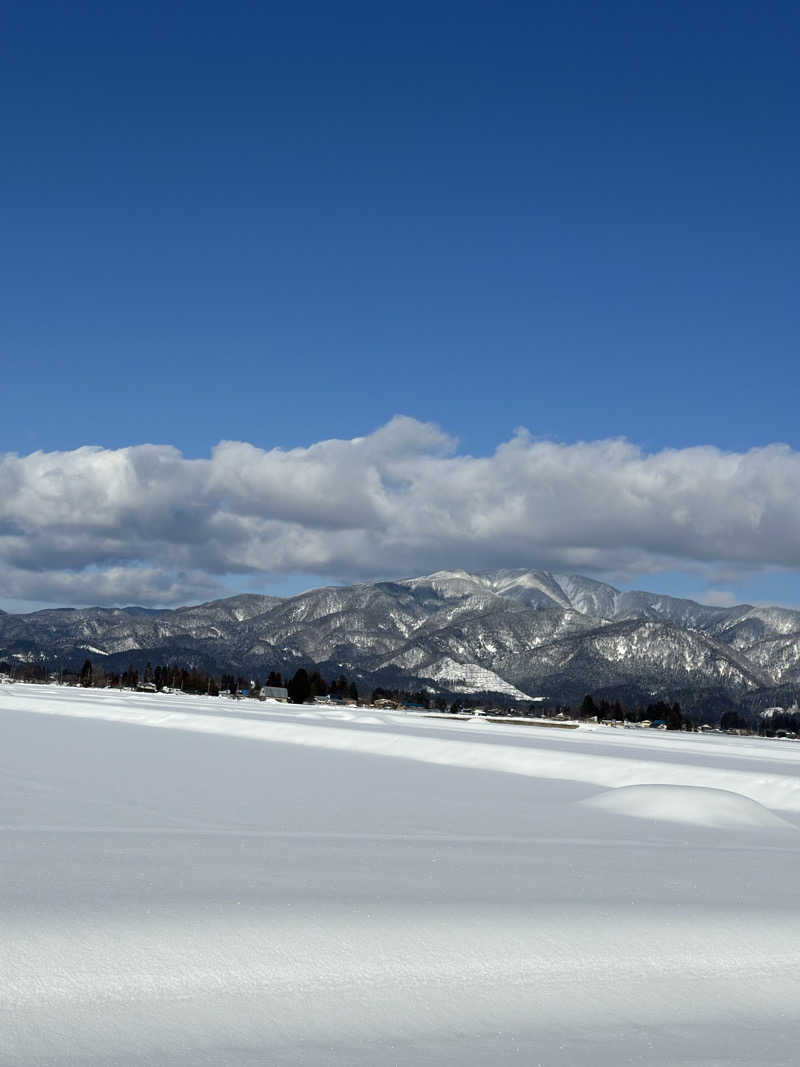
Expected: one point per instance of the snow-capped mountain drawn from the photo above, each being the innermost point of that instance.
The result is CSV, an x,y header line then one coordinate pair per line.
x,y
515,633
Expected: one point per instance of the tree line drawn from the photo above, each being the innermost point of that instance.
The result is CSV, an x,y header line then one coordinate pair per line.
x,y
660,711
302,687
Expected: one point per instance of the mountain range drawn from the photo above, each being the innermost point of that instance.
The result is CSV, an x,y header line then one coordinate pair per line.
x,y
511,634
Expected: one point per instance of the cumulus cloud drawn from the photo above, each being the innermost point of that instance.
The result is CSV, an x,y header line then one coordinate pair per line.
x,y
146,524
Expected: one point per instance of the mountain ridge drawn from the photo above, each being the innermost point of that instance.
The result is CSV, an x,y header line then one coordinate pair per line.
x,y
514,633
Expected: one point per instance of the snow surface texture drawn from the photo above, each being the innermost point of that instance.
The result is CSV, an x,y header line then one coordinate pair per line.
x,y
187,881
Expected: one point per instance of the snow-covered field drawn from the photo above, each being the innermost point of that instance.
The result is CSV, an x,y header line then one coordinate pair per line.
x,y
191,881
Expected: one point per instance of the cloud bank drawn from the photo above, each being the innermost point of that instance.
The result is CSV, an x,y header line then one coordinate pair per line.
x,y
146,525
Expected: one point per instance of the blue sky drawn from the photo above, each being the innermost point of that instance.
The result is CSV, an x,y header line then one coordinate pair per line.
x,y
232,222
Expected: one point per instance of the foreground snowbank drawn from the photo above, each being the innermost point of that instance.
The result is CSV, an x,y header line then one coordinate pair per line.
x,y
182,888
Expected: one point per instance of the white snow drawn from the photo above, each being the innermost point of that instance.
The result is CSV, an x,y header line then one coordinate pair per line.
x,y
690,804
189,881
470,678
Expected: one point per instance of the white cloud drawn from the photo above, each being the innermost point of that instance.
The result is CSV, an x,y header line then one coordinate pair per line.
x,y
716,598
145,524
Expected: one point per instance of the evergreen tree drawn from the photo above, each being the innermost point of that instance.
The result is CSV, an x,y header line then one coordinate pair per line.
x,y
319,687
588,708
673,718
340,688
299,687
86,674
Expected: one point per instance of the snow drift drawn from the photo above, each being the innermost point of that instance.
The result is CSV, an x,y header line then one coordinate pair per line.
x,y
693,805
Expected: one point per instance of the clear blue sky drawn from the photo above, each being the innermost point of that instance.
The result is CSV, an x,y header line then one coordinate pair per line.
x,y
233,221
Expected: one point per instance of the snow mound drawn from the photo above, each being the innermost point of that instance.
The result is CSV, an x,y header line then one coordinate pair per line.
x,y
693,805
